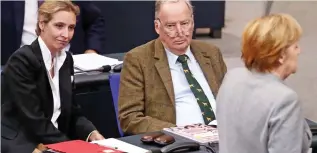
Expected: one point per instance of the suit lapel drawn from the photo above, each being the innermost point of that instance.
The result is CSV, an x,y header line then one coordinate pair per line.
x,y
65,86
19,17
47,91
205,64
163,69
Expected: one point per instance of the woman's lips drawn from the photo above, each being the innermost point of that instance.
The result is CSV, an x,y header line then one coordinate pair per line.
x,y
62,42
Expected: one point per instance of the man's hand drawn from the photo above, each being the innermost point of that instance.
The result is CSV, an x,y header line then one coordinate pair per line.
x,y
90,51
95,135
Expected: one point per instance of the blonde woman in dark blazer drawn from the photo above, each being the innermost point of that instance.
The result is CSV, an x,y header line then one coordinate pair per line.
x,y
256,111
37,87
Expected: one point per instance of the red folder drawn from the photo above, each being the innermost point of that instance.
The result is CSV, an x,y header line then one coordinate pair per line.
x,y
79,146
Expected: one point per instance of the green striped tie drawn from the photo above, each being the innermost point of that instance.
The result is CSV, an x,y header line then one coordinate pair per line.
x,y
202,100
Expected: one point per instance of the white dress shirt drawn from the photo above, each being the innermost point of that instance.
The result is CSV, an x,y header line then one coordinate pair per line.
x,y
30,21
187,108
58,61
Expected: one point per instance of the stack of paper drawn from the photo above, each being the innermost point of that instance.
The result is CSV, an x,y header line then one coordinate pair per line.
x,y
93,61
120,145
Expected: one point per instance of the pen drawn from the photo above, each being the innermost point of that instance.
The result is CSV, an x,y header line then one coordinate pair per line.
x,y
111,147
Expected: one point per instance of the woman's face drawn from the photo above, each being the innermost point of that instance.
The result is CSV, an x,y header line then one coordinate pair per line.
x,y
290,59
58,32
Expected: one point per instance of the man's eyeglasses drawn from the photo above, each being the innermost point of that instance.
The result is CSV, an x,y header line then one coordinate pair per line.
x,y
171,29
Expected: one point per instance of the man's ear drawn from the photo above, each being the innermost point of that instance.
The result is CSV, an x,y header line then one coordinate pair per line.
x,y
193,22
157,26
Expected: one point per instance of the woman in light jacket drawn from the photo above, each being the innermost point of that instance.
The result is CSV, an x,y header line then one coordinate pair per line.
x,y
256,111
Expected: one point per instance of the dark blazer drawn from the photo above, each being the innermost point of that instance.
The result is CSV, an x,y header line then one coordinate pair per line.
x,y
146,96
27,106
89,31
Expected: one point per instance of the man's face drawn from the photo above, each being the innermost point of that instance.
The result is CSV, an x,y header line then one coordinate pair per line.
x,y
175,25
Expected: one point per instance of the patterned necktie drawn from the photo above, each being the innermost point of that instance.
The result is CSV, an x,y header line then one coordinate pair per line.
x,y
202,100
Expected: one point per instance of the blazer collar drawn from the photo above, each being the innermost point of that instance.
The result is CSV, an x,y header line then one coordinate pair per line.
x,y
266,75
202,57
63,77
37,51
163,68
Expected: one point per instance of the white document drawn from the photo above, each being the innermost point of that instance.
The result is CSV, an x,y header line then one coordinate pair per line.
x,y
93,61
214,122
120,145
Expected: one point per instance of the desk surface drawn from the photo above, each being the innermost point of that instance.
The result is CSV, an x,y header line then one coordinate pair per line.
x,y
91,78
135,140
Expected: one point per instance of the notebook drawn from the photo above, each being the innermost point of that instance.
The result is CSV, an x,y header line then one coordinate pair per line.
x,y
79,146
197,132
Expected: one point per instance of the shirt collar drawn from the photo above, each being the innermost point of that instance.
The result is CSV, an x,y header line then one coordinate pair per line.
x,y
47,56
172,58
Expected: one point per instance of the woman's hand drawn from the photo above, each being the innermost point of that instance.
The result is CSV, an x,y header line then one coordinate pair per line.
x,y
95,135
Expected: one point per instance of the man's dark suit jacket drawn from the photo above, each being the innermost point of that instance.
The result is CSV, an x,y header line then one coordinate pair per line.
x,y
89,31
27,106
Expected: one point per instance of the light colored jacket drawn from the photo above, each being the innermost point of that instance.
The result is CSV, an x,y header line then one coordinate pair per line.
x,y
258,113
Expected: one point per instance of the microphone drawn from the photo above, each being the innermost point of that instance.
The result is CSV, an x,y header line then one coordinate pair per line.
x,y
104,68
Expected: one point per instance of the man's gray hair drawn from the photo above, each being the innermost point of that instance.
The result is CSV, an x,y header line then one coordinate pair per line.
x,y
159,3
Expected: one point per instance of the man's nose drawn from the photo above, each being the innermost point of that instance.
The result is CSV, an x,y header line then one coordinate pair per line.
x,y
179,29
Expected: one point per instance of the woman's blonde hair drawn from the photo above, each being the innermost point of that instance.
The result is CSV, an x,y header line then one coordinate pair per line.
x,y
49,8
265,39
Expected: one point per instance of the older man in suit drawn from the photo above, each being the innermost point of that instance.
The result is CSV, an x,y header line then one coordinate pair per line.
x,y
18,24
172,80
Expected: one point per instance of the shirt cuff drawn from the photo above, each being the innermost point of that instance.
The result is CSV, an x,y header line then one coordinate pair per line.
x,y
89,136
